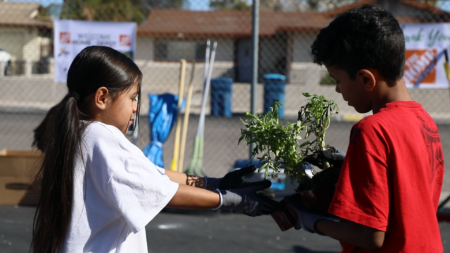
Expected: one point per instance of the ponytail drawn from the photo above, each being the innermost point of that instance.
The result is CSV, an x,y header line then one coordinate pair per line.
x,y
59,137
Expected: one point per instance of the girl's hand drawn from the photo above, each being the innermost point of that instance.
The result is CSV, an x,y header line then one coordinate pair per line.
x,y
233,180
246,200
230,181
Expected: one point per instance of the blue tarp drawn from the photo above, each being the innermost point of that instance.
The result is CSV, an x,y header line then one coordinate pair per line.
x,y
162,117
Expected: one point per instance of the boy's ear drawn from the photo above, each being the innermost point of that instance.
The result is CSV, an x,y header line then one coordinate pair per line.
x,y
368,78
101,98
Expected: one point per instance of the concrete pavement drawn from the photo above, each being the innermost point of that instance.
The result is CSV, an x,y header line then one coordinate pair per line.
x,y
196,233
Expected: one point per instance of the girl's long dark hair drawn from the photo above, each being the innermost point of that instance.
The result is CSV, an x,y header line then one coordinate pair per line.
x,y
60,134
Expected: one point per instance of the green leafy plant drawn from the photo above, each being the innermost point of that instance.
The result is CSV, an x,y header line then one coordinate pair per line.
x,y
279,144
316,118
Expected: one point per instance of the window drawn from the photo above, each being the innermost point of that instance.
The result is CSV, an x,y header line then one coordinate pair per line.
x,y
176,50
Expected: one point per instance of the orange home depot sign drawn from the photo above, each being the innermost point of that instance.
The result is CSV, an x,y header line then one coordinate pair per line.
x,y
72,36
426,53
416,63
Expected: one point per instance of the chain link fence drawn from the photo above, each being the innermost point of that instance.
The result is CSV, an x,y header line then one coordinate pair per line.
x,y
168,31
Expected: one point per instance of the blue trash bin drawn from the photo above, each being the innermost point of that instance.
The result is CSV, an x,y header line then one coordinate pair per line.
x,y
221,91
274,89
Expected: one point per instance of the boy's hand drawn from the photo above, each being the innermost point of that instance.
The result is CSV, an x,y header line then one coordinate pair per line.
x,y
246,200
303,219
332,155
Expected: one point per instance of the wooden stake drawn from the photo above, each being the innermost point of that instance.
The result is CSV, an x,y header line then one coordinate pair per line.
x,y
186,118
176,145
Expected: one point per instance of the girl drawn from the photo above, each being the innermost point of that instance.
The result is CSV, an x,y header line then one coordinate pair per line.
x,y
98,190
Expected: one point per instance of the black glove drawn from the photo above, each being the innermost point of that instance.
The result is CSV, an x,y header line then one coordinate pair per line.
x,y
233,180
303,219
246,200
333,156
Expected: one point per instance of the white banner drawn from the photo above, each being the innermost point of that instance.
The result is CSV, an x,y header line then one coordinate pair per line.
x,y
71,37
426,52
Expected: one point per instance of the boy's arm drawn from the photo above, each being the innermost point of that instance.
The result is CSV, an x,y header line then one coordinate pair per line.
x,y
352,233
344,231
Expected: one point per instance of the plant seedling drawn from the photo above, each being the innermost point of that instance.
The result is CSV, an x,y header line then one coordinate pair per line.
x,y
278,144
316,118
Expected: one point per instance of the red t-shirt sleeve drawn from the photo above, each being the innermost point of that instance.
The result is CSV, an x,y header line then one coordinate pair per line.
x,y
362,193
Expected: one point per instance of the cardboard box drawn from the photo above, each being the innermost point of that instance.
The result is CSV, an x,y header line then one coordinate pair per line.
x,y
17,171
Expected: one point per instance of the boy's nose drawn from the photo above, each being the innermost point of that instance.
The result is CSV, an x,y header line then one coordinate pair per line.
x,y
337,89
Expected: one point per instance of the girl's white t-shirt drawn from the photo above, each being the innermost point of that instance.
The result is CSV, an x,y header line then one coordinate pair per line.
x,y
117,192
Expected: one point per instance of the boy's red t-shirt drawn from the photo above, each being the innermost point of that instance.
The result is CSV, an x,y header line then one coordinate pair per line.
x,y
392,177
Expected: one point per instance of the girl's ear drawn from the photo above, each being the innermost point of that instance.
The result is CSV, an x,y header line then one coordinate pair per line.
x,y
101,98
368,78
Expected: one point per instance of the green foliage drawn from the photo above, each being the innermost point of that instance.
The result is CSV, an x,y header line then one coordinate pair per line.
x,y
316,117
279,144
325,5
237,5
104,10
164,4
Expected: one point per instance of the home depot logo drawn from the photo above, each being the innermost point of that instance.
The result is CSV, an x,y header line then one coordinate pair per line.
x,y
64,37
417,61
124,40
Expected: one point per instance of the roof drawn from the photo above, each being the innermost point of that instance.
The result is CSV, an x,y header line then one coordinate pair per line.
x,y
181,23
21,14
226,23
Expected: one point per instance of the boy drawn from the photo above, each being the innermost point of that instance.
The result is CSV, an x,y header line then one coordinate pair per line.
x,y
391,178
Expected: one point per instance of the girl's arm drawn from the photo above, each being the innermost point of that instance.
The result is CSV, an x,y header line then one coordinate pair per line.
x,y
188,197
184,179
352,233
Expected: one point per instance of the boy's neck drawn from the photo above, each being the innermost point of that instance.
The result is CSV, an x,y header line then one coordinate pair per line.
x,y
386,94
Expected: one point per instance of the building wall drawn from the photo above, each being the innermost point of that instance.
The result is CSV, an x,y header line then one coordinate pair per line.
x,y
273,54
22,43
12,40
145,48
32,45
157,72
303,71
301,51
225,49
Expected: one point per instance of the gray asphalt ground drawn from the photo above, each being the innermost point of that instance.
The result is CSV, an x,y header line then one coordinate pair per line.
x,y
201,232
187,231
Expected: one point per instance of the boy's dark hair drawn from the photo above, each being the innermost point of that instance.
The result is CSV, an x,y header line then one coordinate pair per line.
x,y
364,37
59,136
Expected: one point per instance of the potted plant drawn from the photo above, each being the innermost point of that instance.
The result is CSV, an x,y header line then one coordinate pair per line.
x,y
278,144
